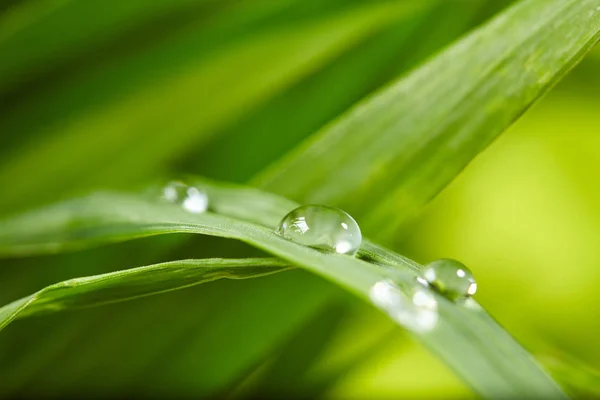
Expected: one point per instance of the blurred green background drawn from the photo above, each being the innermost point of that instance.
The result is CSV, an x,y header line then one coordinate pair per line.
x,y
113,93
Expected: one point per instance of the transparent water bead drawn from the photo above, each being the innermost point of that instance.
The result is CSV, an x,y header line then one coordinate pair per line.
x,y
451,278
416,312
191,198
322,227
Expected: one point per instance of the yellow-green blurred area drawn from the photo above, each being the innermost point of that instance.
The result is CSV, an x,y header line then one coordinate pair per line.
x,y
97,94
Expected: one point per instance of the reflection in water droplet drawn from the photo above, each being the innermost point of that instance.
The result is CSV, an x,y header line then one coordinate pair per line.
x,y
191,198
322,227
451,278
422,281
417,313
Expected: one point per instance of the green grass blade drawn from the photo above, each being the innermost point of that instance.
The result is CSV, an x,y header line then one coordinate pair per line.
x,y
36,35
376,60
287,370
350,77
373,63
466,337
110,217
362,70
134,283
92,87
399,148
383,256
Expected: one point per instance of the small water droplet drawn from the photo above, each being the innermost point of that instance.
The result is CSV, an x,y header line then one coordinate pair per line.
x,y
322,227
417,312
191,198
451,278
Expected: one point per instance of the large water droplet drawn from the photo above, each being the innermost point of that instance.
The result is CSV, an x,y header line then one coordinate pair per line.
x,y
191,198
322,227
451,278
417,312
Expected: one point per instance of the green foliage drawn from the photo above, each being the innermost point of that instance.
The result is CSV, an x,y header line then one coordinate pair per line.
x,y
427,126
134,283
224,88
160,94
469,340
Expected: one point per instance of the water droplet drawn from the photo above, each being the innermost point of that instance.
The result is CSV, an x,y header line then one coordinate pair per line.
x,y
191,198
417,312
451,278
322,227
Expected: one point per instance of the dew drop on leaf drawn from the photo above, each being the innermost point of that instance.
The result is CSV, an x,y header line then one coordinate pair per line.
x,y
190,198
416,311
322,227
451,278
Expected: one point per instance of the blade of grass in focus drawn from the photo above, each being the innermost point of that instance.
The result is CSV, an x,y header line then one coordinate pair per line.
x,y
105,83
327,81
487,357
353,75
135,283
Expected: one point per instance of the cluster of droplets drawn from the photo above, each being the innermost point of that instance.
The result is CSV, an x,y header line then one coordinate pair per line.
x,y
416,308
332,230
191,198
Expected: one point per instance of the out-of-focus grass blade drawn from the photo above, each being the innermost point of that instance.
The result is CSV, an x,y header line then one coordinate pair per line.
x,y
36,34
29,275
466,337
399,148
307,366
373,61
326,380
167,99
579,379
286,372
134,283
